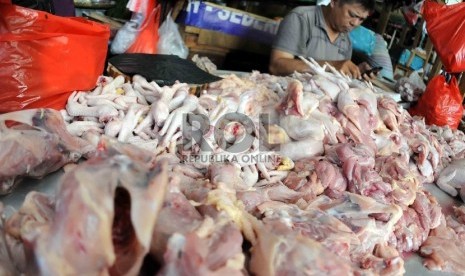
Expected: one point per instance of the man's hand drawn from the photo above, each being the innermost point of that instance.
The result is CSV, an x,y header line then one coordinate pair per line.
x,y
349,68
366,67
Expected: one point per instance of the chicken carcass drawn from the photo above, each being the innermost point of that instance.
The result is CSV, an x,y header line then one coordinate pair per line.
x,y
177,215
214,249
452,178
444,247
34,143
105,213
279,251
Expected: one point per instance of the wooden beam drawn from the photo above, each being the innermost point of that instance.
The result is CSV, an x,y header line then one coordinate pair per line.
x,y
462,84
418,34
177,8
384,17
402,36
437,65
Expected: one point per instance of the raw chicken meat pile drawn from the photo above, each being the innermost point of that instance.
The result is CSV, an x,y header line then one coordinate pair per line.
x,y
319,175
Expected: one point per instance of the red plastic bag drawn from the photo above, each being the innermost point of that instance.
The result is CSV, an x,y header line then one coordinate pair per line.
x,y
147,39
410,16
45,57
441,104
140,34
446,28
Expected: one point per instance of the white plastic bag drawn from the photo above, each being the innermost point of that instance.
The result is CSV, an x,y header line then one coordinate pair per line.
x,y
127,34
411,88
140,34
170,41
417,80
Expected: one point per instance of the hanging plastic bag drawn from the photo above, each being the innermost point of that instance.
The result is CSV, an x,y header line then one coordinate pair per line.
x,y
45,57
417,7
140,33
410,16
411,12
363,40
126,35
410,88
147,40
446,28
441,104
170,40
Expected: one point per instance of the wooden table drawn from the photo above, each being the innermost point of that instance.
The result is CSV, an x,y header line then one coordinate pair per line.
x,y
385,85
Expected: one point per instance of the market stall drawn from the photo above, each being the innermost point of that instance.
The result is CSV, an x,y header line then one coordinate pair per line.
x,y
167,165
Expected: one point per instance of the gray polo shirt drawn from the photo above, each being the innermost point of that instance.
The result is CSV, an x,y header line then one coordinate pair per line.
x,y
303,32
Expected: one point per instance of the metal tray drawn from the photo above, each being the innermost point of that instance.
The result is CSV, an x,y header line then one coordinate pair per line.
x,y
413,262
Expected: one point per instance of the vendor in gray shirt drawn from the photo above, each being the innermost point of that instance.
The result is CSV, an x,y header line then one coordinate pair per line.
x,y
320,32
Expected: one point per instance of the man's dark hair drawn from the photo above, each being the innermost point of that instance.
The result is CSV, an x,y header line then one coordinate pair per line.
x,y
369,5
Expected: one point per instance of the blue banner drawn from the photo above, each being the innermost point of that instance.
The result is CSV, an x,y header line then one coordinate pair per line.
x,y
230,21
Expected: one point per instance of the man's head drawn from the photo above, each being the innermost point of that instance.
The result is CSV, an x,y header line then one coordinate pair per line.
x,y
345,15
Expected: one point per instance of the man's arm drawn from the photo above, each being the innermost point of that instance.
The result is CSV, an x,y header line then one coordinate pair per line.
x,y
283,63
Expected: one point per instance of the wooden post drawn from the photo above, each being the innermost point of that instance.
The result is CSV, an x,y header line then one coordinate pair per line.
x,y
437,65
384,17
461,81
418,34
177,8
403,35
